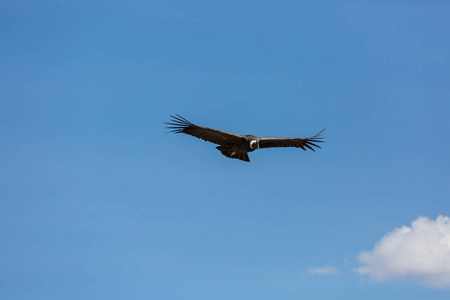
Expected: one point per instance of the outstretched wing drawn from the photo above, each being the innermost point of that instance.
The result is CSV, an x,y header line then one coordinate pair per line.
x,y
269,142
178,124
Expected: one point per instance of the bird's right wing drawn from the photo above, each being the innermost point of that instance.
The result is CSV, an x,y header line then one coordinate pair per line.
x,y
310,142
178,124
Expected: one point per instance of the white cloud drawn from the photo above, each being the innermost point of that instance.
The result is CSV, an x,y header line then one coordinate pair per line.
x,y
420,252
328,270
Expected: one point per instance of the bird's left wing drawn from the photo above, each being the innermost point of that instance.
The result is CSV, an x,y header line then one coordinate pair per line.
x,y
178,124
310,142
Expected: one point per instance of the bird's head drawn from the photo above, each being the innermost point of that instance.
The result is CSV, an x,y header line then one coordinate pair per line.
x,y
254,144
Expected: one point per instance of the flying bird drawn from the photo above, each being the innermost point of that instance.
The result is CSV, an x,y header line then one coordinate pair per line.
x,y
237,146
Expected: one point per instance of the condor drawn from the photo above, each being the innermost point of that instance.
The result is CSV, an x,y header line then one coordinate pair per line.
x,y
237,146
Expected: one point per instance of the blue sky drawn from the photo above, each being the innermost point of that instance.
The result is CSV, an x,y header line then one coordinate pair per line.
x,y
97,202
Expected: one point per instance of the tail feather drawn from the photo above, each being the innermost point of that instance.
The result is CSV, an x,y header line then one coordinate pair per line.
x,y
229,151
244,157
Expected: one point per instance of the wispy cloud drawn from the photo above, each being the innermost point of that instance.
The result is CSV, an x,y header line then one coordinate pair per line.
x,y
420,252
327,270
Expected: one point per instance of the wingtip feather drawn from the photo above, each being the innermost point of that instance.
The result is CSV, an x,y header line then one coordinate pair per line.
x,y
177,124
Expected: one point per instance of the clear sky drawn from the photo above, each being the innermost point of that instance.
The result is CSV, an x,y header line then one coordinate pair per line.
x,y
97,202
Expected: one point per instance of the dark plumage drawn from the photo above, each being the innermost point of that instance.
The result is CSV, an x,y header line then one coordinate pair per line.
x,y
237,146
